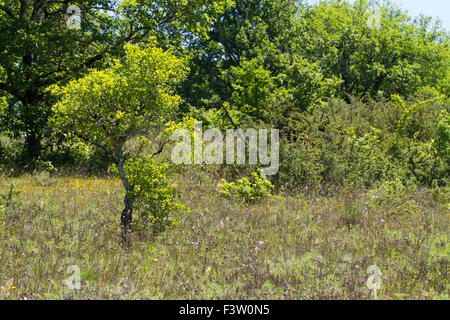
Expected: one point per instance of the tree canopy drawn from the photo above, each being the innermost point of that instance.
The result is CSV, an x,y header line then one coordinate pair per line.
x,y
133,98
37,49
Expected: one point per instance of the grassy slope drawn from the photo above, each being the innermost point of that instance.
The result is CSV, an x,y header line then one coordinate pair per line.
x,y
313,247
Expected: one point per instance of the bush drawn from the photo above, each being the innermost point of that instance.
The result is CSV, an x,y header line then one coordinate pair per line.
x,y
359,145
255,189
8,198
10,150
442,142
153,195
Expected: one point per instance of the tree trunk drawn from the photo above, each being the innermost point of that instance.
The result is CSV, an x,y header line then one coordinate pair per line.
x,y
33,120
31,150
127,213
126,219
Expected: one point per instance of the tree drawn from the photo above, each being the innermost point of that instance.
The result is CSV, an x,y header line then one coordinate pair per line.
x,y
132,99
399,56
248,33
253,61
38,50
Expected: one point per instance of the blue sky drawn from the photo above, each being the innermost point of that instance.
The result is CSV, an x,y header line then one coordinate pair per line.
x,y
434,8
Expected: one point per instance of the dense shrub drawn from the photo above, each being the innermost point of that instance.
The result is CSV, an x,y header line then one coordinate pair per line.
x,y
153,195
360,144
257,188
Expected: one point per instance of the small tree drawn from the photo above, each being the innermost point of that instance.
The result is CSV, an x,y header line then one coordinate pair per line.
x,y
131,100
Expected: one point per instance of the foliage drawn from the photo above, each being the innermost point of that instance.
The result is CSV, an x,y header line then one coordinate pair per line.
x,y
250,61
7,198
37,49
398,56
363,115
153,195
273,59
251,88
255,189
108,107
360,145
408,112
133,99
442,141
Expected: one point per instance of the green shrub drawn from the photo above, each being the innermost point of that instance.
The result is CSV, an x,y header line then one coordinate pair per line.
x,y
153,195
10,150
255,189
8,198
389,191
442,142
360,144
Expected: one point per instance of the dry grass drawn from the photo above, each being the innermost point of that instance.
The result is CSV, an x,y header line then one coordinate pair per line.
x,y
303,247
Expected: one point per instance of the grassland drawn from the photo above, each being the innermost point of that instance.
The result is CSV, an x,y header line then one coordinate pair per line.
x,y
303,247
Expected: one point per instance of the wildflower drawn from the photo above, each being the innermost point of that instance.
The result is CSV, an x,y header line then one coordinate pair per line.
x,y
176,243
195,243
256,248
187,281
304,275
382,221
261,243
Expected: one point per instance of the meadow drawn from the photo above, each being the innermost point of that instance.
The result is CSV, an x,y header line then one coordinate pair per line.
x,y
355,95
306,246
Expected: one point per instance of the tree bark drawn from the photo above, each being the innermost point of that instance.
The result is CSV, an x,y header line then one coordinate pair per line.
x,y
126,219
31,150
127,213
